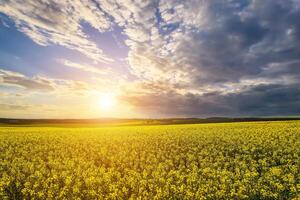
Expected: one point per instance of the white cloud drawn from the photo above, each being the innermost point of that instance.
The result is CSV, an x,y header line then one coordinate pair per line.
x,y
59,22
85,67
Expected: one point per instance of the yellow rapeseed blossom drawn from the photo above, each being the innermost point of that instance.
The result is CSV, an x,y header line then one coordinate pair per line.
x,y
207,161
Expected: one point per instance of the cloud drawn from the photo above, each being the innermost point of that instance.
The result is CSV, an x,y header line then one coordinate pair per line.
x,y
261,100
29,110
17,79
9,107
43,84
59,22
84,67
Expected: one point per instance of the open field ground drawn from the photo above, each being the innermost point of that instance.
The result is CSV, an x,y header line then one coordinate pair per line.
x,y
249,160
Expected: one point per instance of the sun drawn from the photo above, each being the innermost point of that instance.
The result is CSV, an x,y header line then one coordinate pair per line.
x,y
107,101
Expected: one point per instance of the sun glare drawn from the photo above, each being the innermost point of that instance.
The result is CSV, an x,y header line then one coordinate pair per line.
x,y
107,101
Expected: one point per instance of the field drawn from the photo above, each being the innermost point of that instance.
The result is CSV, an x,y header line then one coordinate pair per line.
x,y
254,160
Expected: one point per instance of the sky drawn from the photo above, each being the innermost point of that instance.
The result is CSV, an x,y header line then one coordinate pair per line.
x,y
152,59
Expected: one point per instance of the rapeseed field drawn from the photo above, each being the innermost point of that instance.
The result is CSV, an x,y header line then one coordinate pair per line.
x,y
255,160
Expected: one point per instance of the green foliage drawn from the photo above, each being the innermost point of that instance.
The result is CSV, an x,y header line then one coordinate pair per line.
x,y
208,161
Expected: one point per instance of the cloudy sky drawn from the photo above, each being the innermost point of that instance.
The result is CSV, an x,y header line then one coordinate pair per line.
x,y
154,58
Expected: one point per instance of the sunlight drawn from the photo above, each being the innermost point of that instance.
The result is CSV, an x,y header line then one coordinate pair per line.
x,y
107,101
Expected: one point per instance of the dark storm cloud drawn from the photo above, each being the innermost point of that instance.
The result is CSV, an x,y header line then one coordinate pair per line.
x,y
240,42
261,100
268,100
